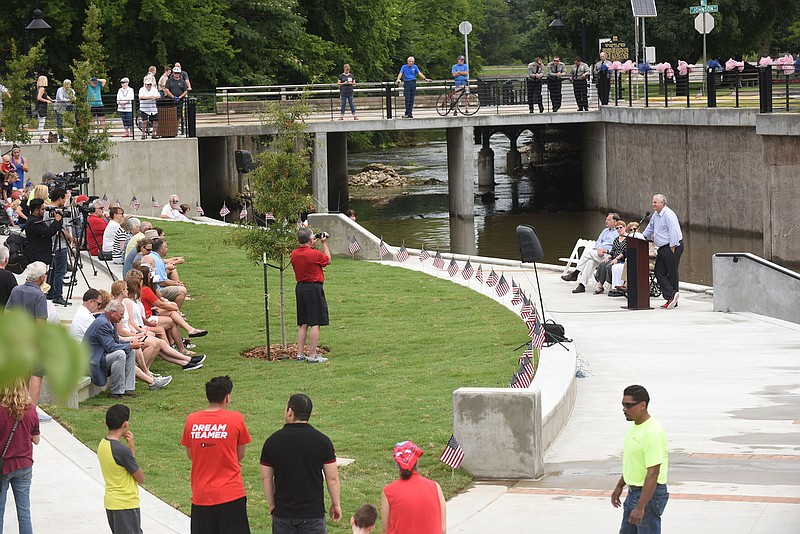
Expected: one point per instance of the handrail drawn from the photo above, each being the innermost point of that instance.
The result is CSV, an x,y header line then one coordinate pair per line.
x,y
760,261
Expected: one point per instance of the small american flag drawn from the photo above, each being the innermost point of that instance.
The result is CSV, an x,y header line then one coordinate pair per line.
x,y
224,210
438,262
516,382
117,204
467,271
270,216
135,204
424,254
492,280
479,274
382,250
243,212
153,202
199,209
353,247
452,269
402,254
527,353
502,286
523,376
527,363
452,455
537,334
516,294
105,201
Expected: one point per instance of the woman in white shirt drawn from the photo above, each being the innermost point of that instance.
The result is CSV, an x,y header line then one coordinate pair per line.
x,y
65,103
115,217
125,106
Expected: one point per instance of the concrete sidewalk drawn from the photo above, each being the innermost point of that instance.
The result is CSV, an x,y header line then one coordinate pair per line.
x,y
725,386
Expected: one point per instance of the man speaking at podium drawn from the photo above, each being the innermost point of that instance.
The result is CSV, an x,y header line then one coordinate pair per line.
x,y
665,231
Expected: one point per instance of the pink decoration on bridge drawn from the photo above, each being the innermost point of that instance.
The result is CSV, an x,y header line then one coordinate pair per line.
x,y
684,68
616,65
628,66
765,61
785,64
733,64
665,69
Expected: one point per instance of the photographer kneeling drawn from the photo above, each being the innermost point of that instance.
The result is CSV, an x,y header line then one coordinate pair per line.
x,y
47,241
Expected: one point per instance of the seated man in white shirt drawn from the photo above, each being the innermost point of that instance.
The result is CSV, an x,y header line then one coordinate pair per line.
x,y
172,209
592,257
85,315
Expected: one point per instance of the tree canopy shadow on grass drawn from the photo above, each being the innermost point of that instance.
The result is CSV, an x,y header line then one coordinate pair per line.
x,y
400,343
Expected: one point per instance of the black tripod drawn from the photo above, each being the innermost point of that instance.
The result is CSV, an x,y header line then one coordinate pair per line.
x,y
80,244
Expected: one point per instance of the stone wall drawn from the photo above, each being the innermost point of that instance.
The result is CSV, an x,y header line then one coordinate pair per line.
x,y
727,170
142,168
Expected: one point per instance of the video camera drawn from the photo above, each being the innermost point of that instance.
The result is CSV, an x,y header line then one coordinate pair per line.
x,y
321,235
67,180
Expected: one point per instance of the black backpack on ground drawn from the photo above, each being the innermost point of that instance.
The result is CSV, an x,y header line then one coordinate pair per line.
x,y
17,260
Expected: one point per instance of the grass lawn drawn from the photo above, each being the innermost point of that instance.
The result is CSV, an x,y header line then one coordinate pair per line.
x,y
400,343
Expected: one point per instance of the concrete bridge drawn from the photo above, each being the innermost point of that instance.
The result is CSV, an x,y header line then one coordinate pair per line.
x,y
732,170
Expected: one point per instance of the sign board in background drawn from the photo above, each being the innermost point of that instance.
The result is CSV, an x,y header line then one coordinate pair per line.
x,y
616,50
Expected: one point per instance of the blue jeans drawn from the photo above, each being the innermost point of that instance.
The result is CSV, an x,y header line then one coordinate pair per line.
x,y
57,271
127,119
651,522
410,91
20,481
348,99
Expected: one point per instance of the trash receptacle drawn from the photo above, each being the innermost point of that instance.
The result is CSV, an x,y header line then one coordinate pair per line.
x,y
167,118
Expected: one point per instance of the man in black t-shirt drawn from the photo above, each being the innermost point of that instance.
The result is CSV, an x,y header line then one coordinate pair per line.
x,y
176,88
7,279
292,462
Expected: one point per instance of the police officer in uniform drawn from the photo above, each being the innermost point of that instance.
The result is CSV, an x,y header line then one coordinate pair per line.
x,y
555,72
580,83
534,82
602,79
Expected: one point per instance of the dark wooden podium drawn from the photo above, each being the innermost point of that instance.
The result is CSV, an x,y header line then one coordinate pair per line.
x,y
638,261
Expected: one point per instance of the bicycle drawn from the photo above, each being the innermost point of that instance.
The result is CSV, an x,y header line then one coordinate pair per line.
x,y
458,100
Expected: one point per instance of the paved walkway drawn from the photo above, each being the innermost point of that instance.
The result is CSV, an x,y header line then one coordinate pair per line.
x,y
725,386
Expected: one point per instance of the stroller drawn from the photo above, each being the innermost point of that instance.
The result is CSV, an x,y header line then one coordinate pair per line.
x,y
5,222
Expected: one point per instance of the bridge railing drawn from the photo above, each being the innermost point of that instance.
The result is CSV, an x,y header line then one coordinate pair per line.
x,y
770,88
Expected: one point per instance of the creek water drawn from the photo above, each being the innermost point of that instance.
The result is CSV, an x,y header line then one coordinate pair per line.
x,y
418,215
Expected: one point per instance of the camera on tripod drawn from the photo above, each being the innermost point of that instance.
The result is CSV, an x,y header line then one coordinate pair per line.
x,y
67,180
64,212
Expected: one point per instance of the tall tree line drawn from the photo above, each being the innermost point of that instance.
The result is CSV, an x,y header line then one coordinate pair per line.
x,y
250,42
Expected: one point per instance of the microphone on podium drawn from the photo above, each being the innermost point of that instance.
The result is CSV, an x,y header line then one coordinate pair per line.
x,y
646,215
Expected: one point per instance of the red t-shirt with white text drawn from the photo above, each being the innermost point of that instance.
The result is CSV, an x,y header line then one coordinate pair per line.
x,y
212,438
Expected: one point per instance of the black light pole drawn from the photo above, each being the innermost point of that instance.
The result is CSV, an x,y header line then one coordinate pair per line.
x,y
38,23
582,26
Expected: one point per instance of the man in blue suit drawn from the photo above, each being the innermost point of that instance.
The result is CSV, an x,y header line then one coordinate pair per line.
x,y
109,356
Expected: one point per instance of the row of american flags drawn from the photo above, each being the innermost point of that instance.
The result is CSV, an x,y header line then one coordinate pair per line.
x,y
135,204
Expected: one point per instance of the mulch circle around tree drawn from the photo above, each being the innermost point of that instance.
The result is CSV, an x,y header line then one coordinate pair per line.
x,y
278,353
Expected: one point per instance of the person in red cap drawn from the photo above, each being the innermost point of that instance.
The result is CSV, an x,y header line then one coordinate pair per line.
x,y
412,503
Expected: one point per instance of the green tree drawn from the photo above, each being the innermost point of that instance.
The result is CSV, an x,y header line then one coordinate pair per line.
x,y
17,103
26,345
84,145
279,185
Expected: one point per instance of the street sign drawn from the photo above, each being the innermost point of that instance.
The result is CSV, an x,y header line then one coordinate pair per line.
x,y
694,10
700,27
465,27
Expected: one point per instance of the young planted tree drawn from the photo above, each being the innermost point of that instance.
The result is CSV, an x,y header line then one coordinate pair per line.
x,y
85,146
16,114
279,185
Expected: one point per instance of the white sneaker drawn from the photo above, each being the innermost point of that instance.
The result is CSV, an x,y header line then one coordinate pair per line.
x,y
316,359
674,302
43,417
301,358
160,382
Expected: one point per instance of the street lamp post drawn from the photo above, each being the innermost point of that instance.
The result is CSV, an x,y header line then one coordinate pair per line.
x,y
38,23
558,23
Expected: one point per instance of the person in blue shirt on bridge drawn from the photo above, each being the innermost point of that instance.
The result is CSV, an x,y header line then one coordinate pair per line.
x,y
665,230
460,73
408,73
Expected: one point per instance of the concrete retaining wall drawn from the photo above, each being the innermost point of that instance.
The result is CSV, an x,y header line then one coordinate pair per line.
x,y
728,170
142,168
747,283
500,431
